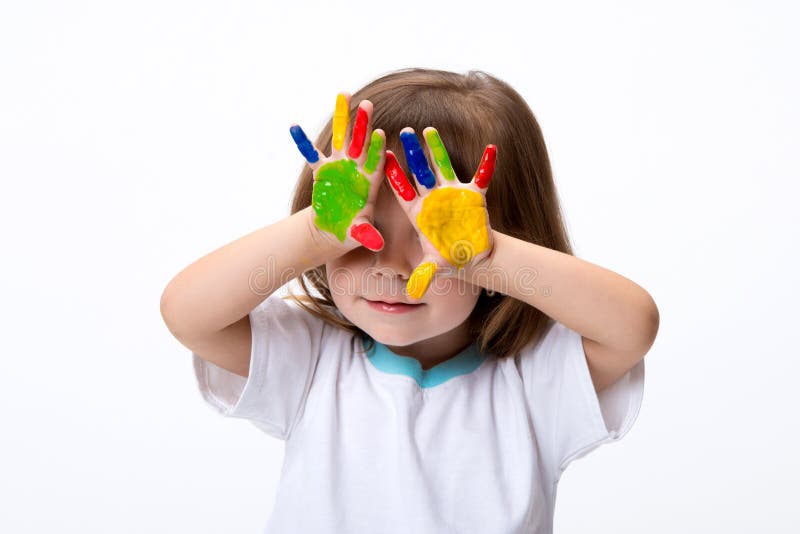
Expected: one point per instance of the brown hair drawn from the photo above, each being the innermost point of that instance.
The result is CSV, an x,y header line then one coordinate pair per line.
x,y
470,111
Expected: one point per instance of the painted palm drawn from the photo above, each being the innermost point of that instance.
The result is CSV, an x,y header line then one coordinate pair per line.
x,y
449,216
345,183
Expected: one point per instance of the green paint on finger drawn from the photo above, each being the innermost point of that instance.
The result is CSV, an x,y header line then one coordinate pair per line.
x,y
439,153
374,154
340,192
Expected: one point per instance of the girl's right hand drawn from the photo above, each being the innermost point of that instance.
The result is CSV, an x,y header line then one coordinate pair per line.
x,y
346,182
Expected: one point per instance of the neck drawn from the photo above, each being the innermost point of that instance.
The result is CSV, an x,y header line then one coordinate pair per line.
x,y
435,350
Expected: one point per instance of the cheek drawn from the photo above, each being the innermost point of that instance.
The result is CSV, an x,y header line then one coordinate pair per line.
x,y
451,301
448,311
453,291
346,274
341,279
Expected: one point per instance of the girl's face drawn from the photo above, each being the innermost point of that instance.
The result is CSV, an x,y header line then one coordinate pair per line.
x,y
436,327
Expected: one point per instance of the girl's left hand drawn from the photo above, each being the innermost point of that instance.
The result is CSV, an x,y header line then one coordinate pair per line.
x,y
450,216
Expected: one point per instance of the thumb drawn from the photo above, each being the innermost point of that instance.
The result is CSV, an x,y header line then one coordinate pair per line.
x,y
421,278
362,231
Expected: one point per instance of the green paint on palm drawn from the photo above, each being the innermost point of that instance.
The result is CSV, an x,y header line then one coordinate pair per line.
x,y
440,155
340,192
374,154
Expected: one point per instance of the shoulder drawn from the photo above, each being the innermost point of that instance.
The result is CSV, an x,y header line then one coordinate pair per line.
x,y
554,358
553,339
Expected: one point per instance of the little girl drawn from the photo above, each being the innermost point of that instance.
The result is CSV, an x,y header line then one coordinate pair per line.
x,y
449,356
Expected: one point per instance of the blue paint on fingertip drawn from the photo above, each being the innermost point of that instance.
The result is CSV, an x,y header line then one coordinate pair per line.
x,y
417,162
303,144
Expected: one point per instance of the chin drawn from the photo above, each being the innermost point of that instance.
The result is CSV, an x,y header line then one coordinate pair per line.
x,y
391,337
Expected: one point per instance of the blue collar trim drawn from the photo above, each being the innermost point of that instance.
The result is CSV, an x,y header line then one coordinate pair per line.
x,y
387,361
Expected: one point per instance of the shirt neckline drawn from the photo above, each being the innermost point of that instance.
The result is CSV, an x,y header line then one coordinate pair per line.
x,y
384,360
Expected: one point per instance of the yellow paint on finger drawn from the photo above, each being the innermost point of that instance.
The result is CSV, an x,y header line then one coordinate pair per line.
x,y
420,279
455,221
341,117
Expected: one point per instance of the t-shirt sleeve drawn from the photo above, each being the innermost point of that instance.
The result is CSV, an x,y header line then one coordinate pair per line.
x,y
284,356
569,418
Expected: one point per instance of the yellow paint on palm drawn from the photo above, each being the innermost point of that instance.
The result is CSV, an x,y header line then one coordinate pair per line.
x,y
454,220
341,117
420,279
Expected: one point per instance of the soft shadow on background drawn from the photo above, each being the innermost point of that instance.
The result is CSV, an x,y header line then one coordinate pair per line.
x,y
136,138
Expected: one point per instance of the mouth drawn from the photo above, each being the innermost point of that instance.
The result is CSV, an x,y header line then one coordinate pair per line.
x,y
393,307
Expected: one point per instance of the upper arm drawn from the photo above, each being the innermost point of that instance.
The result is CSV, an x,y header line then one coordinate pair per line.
x,y
263,366
228,348
607,365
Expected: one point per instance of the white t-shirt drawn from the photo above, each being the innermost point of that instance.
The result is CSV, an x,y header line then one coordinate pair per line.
x,y
374,444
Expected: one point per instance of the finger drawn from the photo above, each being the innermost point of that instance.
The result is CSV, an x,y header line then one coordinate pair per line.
x,y
486,169
304,145
366,234
360,129
439,154
397,178
420,279
341,118
375,154
415,157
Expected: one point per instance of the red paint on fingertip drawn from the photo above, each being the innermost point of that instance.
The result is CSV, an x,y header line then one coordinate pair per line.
x,y
398,178
359,134
486,169
367,235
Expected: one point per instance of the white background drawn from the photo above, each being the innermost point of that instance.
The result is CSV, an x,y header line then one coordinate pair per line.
x,y
136,137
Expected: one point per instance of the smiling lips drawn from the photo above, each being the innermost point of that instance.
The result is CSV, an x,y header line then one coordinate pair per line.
x,y
392,307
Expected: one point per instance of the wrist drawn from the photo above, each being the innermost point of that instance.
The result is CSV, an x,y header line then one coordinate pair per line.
x,y
324,244
479,272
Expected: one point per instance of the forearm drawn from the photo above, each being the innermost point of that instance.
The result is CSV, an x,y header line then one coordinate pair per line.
x,y
597,303
226,284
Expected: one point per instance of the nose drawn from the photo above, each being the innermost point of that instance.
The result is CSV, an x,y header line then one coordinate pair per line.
x,y
393,260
